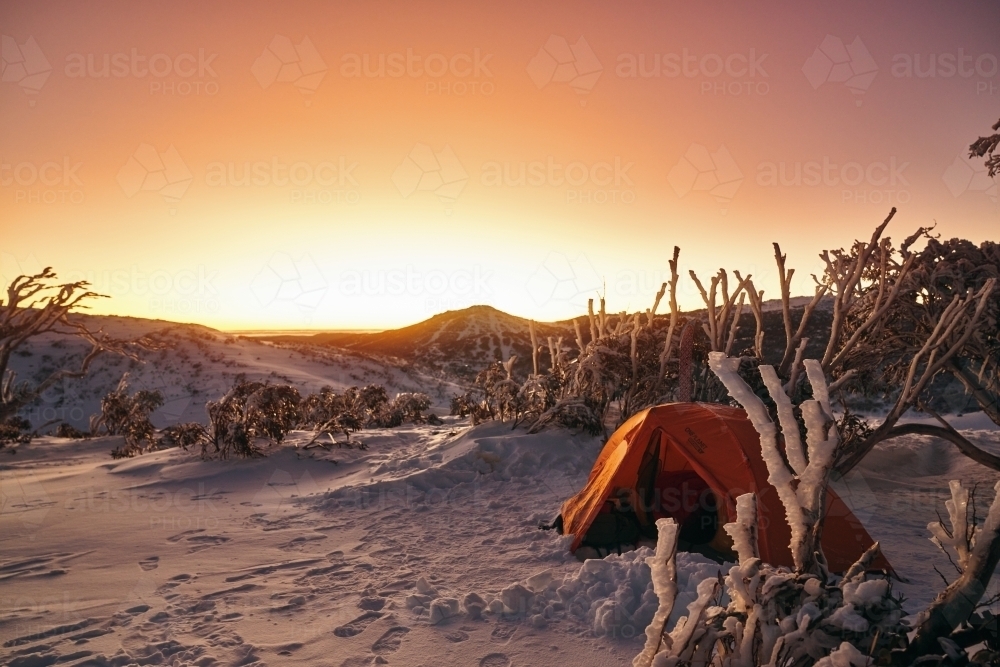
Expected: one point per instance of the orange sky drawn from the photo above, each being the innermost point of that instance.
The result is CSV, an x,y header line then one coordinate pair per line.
x,y
251,165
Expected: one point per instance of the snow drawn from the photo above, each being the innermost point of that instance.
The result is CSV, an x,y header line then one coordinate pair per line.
x,y
421,549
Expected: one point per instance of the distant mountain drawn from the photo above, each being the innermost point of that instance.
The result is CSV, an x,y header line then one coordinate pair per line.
x,y
456,343
460,343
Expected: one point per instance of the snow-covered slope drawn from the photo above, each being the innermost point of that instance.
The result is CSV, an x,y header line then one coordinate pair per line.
x,y
358,556
197,364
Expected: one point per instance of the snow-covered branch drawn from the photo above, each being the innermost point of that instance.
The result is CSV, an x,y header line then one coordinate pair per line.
x,y
663,568
801,487
977,551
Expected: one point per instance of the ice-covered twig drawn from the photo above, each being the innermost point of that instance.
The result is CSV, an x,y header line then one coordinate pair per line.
x,y
861,566
593,320
651,313
796,365
801,488
579,335
744,578
958,538
778,473
735,326
663,568
534,346
957,602
688,635
786,418
744,529
668,343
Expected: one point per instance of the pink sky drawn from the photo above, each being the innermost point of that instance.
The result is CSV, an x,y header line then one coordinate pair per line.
x,y
251,165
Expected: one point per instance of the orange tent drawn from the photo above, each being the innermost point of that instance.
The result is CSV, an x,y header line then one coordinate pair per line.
x,y
720,445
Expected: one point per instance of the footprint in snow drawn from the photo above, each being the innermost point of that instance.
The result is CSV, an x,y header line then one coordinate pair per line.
x,y
358,625
495,660
358,661
180,536
202,542
371,603
390,641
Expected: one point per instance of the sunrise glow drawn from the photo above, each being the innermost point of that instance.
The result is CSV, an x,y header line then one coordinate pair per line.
x,y
370,164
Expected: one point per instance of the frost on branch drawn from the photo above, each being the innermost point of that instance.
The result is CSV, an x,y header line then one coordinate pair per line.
x,y
663,567
959,537
773,616
779,618
977,551
801,487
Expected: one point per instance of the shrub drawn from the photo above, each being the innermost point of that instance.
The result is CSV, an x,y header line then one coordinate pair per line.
x,y
13,430
358,408
65,430
248,412
406,407
128,415
183,436
495,395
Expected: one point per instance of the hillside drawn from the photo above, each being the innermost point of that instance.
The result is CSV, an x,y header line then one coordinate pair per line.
x,y
460,343
193,365
456,343
438,356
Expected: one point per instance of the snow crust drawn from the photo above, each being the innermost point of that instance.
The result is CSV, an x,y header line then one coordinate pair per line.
x,y
421,548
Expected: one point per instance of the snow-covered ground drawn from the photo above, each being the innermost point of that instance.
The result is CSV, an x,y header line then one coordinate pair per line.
x,y
421,548
413,550
195,364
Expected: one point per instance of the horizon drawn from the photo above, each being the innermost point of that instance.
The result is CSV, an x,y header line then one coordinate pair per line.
x,y
768,305
366,166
